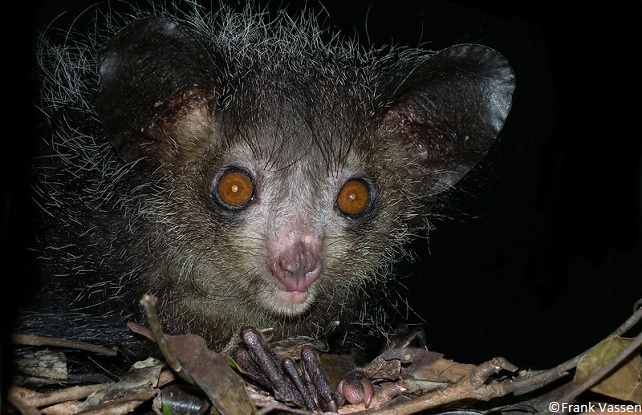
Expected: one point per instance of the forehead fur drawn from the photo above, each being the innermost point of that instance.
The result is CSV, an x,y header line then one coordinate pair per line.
x,y
290,90
314,125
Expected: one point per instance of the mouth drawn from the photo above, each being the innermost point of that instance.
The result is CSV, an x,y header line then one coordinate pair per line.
x,y
287,303
293,298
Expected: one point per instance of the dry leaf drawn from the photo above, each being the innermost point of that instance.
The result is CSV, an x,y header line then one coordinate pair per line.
x,y
445,370
625,383
135,387
422,364
43,364
211,372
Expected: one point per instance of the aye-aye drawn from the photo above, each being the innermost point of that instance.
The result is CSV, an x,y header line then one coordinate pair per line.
x,y
247,170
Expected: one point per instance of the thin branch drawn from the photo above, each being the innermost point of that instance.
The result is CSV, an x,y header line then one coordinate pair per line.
x,y
149,303
30,399
16,398
530,383
32,340
469,387
630,322
464,388
70,394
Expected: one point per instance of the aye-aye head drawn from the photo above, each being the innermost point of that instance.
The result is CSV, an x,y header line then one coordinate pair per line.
x,y
282,173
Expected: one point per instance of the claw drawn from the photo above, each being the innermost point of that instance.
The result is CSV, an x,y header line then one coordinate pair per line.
x,y
357,388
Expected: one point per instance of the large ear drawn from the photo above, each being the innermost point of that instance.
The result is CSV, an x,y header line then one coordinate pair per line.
x,y
156,88
448,110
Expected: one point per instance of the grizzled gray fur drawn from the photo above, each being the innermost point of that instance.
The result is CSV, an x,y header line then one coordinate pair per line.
x,y
247,170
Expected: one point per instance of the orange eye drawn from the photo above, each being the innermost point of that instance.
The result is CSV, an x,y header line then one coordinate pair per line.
x,y
353,198
235,189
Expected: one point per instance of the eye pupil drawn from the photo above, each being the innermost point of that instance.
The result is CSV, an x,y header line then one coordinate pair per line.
x,y
353,198
234,190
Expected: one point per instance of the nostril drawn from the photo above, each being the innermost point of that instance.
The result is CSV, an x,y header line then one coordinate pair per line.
x,y
288,266
308,262
299,264
313,267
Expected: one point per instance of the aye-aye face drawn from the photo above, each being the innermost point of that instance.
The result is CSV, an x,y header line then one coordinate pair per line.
x,y
290,177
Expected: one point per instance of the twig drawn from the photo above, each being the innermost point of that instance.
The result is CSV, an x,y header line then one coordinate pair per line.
x,y
530,383
52,398
32,340
630,322
16,398
26,401
149,303
469,387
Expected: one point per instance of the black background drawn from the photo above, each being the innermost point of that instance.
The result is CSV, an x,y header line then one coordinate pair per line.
x,y
538,255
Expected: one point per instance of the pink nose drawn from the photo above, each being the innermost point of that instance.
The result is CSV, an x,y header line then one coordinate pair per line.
x,y
298,267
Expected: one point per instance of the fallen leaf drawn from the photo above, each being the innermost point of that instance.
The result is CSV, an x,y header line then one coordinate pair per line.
x,y
211,372
444,370
625,383
135,387
43,364
422,364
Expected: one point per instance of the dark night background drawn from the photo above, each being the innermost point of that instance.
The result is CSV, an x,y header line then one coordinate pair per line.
x,y
540,255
